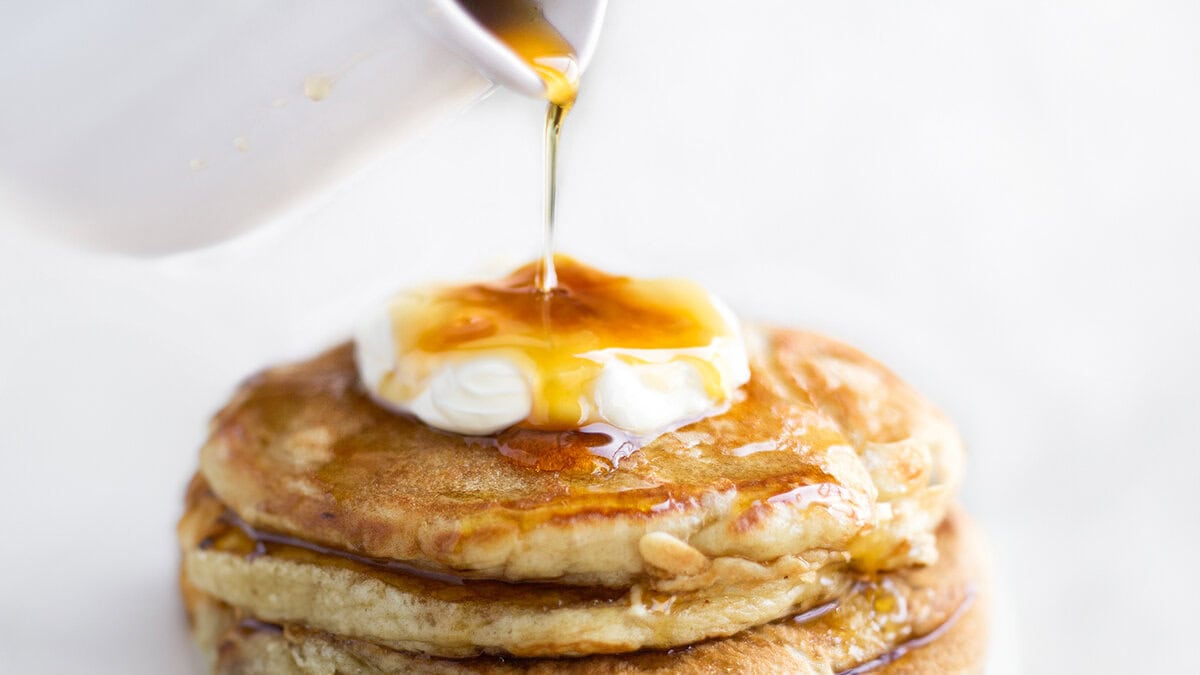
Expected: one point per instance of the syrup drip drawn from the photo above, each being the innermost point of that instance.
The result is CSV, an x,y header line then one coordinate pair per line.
x,y
252,625
261,539
520,25
815,613
593,448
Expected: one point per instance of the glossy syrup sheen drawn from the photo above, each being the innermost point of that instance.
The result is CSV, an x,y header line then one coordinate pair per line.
x,y
366,446
550,333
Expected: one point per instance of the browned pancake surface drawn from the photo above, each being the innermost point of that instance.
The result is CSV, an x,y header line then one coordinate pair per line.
x,y
286,580
918,620
825,450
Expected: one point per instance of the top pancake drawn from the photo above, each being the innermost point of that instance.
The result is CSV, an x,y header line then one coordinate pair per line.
x,y
825,449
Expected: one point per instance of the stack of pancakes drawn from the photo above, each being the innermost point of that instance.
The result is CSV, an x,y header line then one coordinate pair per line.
x,y
810,528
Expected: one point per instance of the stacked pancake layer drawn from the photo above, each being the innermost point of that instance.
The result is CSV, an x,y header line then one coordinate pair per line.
x,y
324,530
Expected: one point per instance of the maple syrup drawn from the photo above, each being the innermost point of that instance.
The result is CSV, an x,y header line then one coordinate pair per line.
x,y
520,25
462,355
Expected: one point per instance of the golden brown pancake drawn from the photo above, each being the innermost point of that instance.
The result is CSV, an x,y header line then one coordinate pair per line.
x,y
326,534
289,581
917,620
826,451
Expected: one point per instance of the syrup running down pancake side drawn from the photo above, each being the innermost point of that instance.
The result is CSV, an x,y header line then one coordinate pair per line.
x,y
919,620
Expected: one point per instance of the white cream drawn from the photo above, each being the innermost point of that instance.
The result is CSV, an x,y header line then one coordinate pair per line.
x,y
643,392
647,391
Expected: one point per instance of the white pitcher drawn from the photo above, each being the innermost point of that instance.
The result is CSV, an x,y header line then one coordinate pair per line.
x,y
151,126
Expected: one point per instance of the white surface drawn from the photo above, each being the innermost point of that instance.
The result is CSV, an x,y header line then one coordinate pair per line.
x,y
997,198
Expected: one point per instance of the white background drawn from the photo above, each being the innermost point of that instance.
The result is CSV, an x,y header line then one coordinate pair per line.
x,y
1000,199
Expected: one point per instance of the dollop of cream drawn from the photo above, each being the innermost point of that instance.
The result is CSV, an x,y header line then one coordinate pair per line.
x,y
648,391
480,390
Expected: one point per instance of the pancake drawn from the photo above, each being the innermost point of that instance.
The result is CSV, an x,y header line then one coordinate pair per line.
x,y
825,451
916,620
283,580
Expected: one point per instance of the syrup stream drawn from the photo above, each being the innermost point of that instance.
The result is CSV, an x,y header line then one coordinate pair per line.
x,y
520,25
548,276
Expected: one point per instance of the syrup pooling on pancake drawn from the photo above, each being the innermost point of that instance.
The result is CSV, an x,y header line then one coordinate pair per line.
x,y
640,356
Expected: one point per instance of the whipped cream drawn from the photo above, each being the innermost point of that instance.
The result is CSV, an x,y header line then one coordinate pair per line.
x,y
484,386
